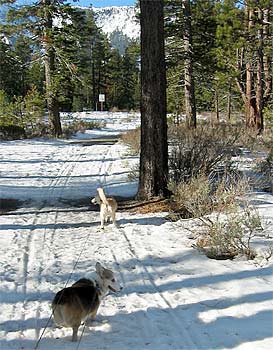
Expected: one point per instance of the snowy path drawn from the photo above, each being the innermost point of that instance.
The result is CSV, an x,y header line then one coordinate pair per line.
x,y
173,297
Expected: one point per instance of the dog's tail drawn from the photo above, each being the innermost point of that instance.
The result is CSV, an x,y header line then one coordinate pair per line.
x,y
102,196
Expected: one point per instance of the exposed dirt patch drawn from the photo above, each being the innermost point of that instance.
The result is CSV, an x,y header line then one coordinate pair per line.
x,y
152,206
99,141
8,204
156,205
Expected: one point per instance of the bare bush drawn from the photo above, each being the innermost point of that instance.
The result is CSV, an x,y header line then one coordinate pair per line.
x,y
132,139
203,150
266,168
192,196
225,238
12,132
200,196
81,125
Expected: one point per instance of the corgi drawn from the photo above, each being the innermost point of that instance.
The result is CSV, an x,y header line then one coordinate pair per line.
x,y
73,305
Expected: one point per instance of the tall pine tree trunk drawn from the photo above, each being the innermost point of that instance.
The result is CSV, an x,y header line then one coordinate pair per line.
x,y
267,60
260,85
188,67
229,103
254,94
154,147
217,109
250,99
52,101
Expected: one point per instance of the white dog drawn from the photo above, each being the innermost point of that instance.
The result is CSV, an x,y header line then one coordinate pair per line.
x,y
108,207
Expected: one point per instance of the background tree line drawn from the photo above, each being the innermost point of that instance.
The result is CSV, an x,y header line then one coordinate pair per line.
x,y
57,52
218,56
229,45
217,52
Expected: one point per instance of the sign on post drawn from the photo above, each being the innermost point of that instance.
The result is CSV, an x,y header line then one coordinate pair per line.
x,y
101,100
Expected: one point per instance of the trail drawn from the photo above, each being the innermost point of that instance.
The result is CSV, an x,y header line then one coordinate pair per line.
x,y
46,253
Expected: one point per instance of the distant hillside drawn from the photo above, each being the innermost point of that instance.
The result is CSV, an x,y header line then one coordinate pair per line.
x,y
118,22
118,18
119,40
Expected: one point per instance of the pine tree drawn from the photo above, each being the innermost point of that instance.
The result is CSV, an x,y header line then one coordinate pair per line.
x,y
154,148
49,23
190,30
188,67
130,77
84,84
8,67
245,50
114,83
23,53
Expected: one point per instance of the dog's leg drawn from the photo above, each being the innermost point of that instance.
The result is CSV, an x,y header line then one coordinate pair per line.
x,y
75,333
101,220
93,314
113,215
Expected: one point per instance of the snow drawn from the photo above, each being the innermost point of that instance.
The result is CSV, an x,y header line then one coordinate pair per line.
x,y
122,18
173,296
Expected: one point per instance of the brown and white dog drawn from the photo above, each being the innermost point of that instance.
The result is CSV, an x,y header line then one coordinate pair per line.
x,y
81,301
108,207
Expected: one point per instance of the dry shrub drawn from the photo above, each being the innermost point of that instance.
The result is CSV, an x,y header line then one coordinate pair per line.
x,y
249,139
40,129
200,196
266,168
81,125
225,238
114,110
12,132
203,150
132,139
192,196
209,148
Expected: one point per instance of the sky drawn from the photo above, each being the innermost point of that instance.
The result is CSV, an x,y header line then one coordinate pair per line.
x,y
104,3
95,3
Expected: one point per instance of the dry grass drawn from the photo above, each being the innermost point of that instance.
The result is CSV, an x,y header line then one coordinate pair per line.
x,y
224,237
266,169
200,196
132,139
156,205
203,150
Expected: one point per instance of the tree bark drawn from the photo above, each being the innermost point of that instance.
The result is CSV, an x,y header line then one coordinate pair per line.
x,y
188,67
250,103
260,85
267,61
52,100
255,92
229,103
217,111
153,177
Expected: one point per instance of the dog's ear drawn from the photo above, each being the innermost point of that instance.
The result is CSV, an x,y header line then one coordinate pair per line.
x,y
99,269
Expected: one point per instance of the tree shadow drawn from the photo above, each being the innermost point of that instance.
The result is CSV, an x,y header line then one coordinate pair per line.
x,y
156,328
156,221
52,226
158,325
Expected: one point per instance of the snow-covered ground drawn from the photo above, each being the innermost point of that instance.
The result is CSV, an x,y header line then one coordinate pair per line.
x,y
173,297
